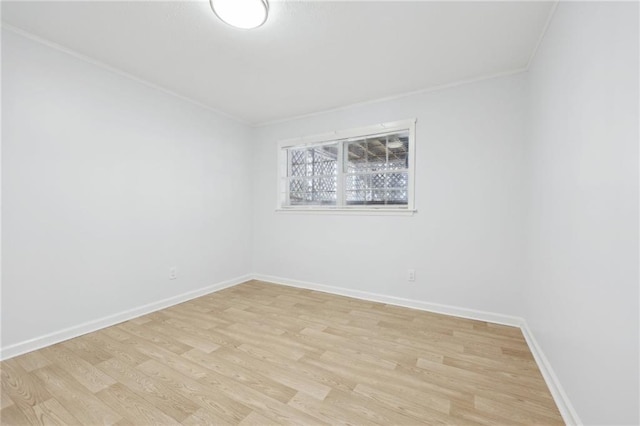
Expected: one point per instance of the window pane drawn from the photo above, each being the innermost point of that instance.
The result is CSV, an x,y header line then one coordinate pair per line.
x,y
379,180
359,181
297,162
397,180
296,198
373,171
299,185
398,148
380,153
376,188
313,175
356,197
397,197
326,184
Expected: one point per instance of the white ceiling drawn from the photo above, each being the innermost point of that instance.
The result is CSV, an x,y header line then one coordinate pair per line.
x,y
308,57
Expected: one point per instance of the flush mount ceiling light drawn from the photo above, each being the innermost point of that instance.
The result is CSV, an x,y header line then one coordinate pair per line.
x,y
245,14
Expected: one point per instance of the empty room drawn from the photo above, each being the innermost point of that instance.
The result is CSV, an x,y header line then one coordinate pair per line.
x,y
261,212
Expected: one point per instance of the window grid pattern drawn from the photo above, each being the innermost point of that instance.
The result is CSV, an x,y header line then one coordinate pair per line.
x,y
370,171
313,175
376,171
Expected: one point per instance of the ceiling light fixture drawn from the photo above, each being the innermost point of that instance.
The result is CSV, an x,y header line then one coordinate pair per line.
x,y
244,14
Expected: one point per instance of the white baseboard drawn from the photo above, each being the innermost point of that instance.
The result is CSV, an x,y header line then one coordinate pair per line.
x,y
569,414
565,407
562,401
398,301
88,327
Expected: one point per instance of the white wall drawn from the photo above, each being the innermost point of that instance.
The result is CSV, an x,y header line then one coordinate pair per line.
x,y
582,297
465,242
106,184
527,191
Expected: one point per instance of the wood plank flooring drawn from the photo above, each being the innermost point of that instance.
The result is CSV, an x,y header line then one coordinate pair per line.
x,y
259,354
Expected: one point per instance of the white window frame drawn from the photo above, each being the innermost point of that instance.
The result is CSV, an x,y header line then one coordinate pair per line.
x,y
340,137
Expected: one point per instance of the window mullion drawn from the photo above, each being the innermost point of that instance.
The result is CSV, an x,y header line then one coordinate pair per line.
x,y
386,170
377,183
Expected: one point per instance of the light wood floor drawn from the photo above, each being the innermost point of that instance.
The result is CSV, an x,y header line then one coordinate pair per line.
x,y
265,354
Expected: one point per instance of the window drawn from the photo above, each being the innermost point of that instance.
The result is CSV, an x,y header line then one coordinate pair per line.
x,y
353,170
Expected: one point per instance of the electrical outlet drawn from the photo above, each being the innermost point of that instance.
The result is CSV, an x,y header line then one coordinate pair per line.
x,y
411,275
173,273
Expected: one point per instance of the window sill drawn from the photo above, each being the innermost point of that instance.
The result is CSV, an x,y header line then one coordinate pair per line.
x,y
349,212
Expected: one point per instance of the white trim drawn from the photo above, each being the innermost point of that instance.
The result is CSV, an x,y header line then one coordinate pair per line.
x,y
569,414
340,138
560,397
542,34
361,212
411,185
94,325
258,124
392,97
87,59
397,301
358,132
